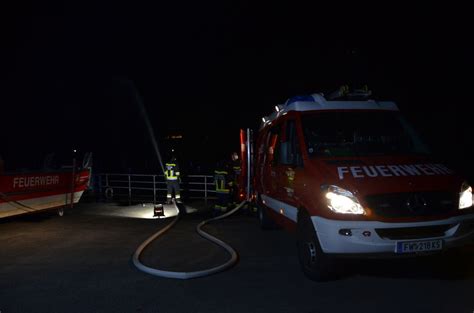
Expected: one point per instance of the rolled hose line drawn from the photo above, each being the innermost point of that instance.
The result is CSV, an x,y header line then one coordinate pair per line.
x,y
188,275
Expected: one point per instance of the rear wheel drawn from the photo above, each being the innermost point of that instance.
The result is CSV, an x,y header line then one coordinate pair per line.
x,y
315,264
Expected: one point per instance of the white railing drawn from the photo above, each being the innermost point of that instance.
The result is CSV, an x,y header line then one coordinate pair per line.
x,y
152,187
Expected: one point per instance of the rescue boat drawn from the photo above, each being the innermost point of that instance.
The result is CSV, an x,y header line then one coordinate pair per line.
x,y
29,192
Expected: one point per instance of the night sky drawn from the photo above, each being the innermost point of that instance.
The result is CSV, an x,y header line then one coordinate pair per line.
x,y
206,69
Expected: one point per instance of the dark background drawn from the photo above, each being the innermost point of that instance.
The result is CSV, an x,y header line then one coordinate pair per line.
x,y
206,69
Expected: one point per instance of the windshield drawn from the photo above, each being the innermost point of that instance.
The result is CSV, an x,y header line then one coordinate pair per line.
x,y
344,133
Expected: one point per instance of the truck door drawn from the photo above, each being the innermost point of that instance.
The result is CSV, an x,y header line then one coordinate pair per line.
x,y
270,164
291,164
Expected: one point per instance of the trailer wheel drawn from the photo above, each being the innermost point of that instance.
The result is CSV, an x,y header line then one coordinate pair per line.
x,y
61,211
109,193
316,265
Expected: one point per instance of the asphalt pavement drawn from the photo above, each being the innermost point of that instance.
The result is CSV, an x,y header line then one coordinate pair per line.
x,y
82,263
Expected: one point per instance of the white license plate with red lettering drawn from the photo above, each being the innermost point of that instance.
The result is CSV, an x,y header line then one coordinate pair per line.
x,y
418,246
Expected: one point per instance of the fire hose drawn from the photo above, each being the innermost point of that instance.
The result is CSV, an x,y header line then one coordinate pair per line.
x,y
188,275
136,256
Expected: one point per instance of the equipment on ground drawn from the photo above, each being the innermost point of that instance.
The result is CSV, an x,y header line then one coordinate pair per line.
x,y
158,210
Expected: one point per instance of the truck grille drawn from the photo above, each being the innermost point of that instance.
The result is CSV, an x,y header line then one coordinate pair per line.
x,y
413,232
409,204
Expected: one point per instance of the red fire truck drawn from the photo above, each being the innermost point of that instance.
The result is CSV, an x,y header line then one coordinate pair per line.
x,y
352,177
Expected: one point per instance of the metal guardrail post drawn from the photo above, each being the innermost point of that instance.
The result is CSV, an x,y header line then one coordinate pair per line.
x,y
205,189
129,190
100,187
154,189
106,185
73,183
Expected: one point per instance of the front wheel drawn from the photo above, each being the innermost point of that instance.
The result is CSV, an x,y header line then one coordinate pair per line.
x,y
316,265
61,211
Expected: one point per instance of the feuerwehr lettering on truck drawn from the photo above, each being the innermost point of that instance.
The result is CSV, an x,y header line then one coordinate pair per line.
x,y
392,170
35,181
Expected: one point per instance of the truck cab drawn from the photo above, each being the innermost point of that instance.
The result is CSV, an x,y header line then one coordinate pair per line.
x,y
353,178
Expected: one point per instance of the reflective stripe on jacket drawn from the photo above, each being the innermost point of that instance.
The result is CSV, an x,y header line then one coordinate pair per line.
x,y
171,171
221,181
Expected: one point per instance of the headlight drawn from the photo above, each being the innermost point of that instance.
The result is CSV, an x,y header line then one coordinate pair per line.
x,y
343,201
465,197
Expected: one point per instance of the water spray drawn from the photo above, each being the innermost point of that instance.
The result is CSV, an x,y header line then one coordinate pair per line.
x,y
144,115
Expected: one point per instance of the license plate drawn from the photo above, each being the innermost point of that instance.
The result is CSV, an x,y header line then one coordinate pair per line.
x,y
418,246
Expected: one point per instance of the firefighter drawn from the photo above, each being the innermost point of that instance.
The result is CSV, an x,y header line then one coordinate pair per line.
x,y
223,183
172,176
